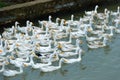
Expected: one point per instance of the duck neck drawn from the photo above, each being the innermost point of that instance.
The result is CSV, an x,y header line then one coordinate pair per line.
x,y
91,22
70,38
72,16
3,67
6,44
77,43
27,23
77,49
85,29
60,63
103,29
105,11
27,57
21,69
86,35
118,10
49,19
96,8
111,31
104,41
1,43
16,25
31,60
50,59
117,24
67,32
26,32
78,26
14,31
42,26
61,25
54,38
79,54
49,44
57,21
46,30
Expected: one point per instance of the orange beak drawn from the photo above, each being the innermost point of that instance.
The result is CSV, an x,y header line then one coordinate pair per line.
x,y
1,51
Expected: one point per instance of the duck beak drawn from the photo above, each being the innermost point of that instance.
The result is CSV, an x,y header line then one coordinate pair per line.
x,y
62,53
25,65
34,55
17,44
54,56
11,57
1,51
89,30
59,46
7,62
58,18
65,22
65,60
37,45
81,41
32,23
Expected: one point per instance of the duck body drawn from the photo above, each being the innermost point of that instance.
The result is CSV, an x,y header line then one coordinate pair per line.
x,y
68,54
51,68
9,73
73,60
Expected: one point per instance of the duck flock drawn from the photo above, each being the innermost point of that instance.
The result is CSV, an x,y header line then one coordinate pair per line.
x,y
40,46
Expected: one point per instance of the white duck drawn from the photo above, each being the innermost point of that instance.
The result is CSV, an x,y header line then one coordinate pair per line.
x,y
92,12
92,38
66,42
38,65
31,59
72,22
68,54
51,68
70,47
116,13
97,44
15,62
62,26
46,49
54,56
44,42
73,60
24,58
8,73
111,28
3,65
53,25
2,50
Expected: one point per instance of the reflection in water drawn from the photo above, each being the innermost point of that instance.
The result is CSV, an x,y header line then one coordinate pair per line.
x,y
63,72
107,49
42,73
83,67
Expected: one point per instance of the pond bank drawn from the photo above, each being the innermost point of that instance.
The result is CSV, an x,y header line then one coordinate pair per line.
x,y
41,8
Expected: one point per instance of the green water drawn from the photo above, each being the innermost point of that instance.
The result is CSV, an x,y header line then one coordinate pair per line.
x,y
96,64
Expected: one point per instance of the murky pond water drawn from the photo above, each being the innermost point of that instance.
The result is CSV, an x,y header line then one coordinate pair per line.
x,y
96,64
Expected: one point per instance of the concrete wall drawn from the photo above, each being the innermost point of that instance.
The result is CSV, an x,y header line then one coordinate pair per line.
x,y
40,7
